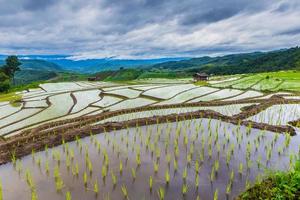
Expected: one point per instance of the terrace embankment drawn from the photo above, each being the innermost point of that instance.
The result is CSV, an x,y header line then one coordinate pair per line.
x,y
54,133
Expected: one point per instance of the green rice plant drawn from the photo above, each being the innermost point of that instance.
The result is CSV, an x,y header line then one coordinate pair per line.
x,y
33,195
90,166
197,180
104,171
13,158
96,187
155,167
168,158
258,162
197,167
184,174
184,189
216,166
124,191
228,188
29,180
287,140
85,179
59,184
150,183
241,168
19,166
216,195
231,176
121,167
228,158
1,191
167,177
47,170
138,160
68,195
161,193
189,159
133,173
175,163
113,178
212,174
157,153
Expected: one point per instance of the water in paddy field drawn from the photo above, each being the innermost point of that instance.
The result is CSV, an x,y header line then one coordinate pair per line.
x,y
225,157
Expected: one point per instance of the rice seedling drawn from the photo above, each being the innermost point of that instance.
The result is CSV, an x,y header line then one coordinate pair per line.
x,y
104,171
114,179
184,174
228,188
231,176
85,179
175,163
167,177
59,184
216,166
241,168
184,189
155,167
1,192
216,195
161,193
124,191
150,183
197,181
68,195
96,187
133,173
34,195
29,180
121,167
212,174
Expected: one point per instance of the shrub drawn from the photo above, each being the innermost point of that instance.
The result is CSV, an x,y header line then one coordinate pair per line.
x,y
278,185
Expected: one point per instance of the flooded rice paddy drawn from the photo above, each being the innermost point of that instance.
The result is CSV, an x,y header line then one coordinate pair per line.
x,y
200,158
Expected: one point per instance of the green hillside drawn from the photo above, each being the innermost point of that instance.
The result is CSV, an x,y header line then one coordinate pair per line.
x,y
286,59
33,70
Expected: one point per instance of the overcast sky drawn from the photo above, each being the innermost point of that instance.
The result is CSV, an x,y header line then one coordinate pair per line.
x,y
147,28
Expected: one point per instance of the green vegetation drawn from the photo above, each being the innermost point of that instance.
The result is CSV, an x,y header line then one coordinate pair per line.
x,y
268,82
135,74
7,72
12,97
286,59
279,185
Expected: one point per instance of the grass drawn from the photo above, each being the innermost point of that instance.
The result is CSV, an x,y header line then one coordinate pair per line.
x,y
12,97
278,185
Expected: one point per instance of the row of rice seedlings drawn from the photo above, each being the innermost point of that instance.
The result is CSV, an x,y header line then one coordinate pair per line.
x,y
182,135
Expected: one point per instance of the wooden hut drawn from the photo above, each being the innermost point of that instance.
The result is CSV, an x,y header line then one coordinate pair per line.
x,y
200,77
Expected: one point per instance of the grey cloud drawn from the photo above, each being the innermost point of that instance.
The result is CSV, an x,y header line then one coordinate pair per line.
x,y
38,4
291,32
146,27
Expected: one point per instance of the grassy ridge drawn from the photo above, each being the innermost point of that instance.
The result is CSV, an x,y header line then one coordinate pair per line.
x,y
279,185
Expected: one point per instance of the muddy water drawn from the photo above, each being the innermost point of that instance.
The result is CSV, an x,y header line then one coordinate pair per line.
x,y
15,186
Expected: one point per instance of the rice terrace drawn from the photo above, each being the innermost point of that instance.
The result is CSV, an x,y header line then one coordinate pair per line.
x,y
162,140
150,100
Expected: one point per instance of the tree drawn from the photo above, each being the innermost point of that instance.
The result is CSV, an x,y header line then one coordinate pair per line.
x,y
4,82
11,66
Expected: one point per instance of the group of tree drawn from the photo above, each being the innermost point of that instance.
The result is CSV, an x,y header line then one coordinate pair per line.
x,y
7,72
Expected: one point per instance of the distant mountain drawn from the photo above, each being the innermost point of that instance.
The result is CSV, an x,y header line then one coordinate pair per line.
x,y
285,59
97,65
35,70
86,66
